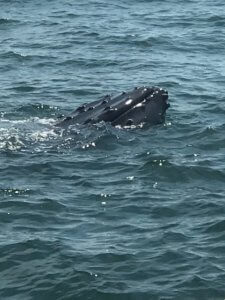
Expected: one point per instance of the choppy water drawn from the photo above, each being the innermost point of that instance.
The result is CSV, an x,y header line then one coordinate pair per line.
x,y
100,212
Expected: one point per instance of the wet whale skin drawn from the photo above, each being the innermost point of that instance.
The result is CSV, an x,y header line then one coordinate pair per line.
x,y
140,105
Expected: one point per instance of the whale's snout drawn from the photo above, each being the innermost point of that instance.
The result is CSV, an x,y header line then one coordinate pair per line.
x,y
141,105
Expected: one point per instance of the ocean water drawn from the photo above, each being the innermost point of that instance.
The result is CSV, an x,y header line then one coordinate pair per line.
x,y
98,212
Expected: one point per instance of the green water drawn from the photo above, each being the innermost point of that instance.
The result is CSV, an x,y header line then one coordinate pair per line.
x,y
100,212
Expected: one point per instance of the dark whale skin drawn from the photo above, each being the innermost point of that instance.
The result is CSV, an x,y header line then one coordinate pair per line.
x,y
141,105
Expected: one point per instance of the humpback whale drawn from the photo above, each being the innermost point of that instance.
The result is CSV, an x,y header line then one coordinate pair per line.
x,y
140,105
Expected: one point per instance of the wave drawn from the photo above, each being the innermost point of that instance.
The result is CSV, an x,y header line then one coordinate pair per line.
x,y
7,21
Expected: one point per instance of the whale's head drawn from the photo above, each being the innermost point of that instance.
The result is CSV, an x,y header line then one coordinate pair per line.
x,y
141,105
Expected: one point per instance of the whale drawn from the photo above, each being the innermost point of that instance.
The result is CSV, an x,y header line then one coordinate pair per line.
x,y
140,105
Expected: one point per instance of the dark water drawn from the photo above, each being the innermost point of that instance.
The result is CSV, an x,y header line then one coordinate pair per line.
x,y
101,212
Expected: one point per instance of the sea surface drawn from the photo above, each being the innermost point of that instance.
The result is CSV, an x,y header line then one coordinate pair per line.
x,y
104,213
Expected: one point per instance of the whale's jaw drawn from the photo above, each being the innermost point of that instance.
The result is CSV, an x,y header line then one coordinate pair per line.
x,y
141,105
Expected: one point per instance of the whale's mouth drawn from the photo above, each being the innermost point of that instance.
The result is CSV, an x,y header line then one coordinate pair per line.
x,y
165,103
165,97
